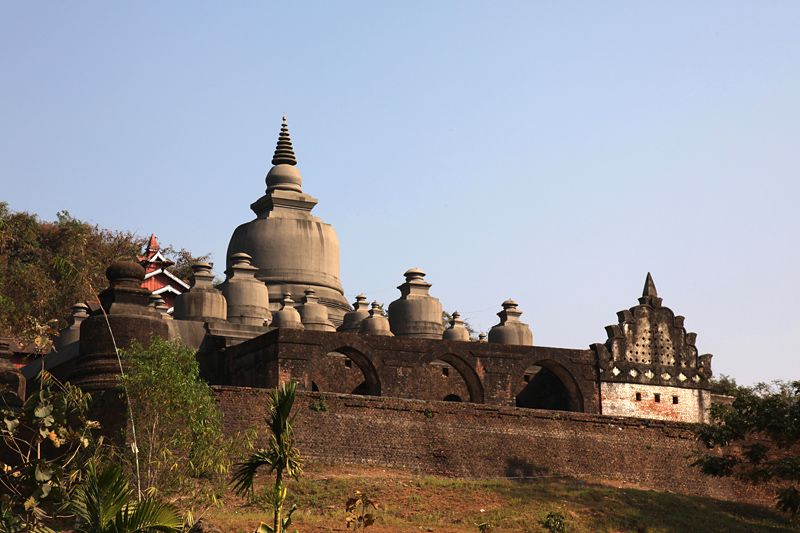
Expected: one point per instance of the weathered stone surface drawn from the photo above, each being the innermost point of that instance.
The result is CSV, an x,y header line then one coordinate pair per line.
x,y
457,331
247,297
375,323
313,314
292,249
416,313
650,346
126,312
203,301
511,330
287,317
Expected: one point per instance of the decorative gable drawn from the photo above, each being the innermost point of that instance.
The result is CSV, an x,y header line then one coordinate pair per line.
x,y
650,345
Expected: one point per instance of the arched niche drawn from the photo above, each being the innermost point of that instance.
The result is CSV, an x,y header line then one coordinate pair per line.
x,y
345,370
448,377
548,385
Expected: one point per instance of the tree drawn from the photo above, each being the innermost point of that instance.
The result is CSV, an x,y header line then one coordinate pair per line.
x,y
45,267
280,457
724,384
757,439
44,449
104,503
179,425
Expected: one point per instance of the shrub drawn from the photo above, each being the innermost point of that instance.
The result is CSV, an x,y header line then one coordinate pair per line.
x,y
178,424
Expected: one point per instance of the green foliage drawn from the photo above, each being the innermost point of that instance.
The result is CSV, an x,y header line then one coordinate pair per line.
x,y
45,267
179,426
756,439
44,448
724,384
358,513
280,457
105,503
555,522
427,413
319,405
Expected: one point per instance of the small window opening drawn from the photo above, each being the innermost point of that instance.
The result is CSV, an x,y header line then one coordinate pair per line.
x,y
445,371
527,378
657,397
638,396
348,363
674,399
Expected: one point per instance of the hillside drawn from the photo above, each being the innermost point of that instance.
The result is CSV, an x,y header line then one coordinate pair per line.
x,y
424,503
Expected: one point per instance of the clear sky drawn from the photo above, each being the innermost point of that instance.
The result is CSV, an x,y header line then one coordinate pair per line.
x,y
553,152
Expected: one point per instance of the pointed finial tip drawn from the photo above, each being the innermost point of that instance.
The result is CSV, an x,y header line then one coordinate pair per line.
x,y
649,287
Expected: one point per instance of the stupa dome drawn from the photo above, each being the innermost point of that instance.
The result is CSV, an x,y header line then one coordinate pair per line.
x,y
292,249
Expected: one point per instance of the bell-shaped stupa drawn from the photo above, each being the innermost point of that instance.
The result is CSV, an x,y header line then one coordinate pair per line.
x,y
292,249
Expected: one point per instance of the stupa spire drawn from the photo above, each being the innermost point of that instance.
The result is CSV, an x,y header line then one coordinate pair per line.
x,y
284,152
649,294
649,290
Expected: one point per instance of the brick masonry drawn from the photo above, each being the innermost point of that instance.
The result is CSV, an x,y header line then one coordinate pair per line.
x,y
472,440
653,401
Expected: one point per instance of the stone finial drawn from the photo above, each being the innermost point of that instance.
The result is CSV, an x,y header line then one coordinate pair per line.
x,y
313,314
125,274
482,337
201,275
510,330
161,306
457,331
649,293
72,333
415,283
247,297
284,152
375,323
153,300
79,311
203,302
351,321
416,313
287,317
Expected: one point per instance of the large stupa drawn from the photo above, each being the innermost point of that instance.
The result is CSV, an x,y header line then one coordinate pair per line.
x,y
292,249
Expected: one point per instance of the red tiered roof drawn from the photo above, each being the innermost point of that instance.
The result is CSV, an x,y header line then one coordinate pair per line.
x,y
157,279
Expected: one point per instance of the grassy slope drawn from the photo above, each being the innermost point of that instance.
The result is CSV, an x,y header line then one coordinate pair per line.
x,y
416,503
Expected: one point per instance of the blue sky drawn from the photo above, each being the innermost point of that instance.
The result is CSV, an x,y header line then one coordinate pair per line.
x,y
553,152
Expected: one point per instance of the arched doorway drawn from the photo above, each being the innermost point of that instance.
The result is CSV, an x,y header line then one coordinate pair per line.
x,y
548,385
448,377
345,370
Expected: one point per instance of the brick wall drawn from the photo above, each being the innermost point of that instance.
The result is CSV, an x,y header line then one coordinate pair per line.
x,y
655,401
470,440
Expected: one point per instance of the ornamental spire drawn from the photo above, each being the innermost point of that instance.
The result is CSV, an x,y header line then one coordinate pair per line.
x,y
284,153
649,287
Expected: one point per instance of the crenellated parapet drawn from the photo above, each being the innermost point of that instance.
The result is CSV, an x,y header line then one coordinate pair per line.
x,y
650,345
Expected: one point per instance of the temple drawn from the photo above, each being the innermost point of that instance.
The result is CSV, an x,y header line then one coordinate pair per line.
x,y
281,314
157,279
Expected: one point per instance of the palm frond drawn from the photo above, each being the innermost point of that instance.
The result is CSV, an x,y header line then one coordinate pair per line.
x,y
147,515
244,473
99,499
